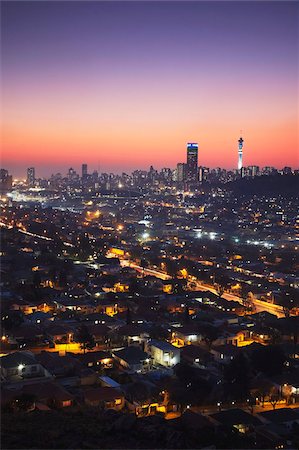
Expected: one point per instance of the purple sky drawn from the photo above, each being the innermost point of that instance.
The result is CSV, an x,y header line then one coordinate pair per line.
x,y
122,85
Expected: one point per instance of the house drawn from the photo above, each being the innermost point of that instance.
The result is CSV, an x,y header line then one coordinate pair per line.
x,y
27,334
163,353
60,333
21,365
282,416
194,421
99,331
58,366
105,397
185,335
133,359
223,354
50,394
95,360
133,334
261,334
44,396
236,419
144,399
195,355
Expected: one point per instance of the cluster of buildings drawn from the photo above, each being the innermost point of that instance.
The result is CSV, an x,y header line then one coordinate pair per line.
x,y
154,294
188,176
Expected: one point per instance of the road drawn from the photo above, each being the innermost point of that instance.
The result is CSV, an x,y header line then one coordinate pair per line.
x,y
259,305
28,233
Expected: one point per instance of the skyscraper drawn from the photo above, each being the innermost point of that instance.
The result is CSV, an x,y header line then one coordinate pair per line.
x,y
5,181
240,153
181,172
31,176
84,170
192,162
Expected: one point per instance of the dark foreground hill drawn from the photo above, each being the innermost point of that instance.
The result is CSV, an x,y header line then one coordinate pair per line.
x,y
93,429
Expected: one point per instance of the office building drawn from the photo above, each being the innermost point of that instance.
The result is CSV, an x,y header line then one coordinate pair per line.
x,y
192,162
5,181
31,176
84,171
181,172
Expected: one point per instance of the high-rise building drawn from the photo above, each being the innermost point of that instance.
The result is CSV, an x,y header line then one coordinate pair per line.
x,y
31,176
203,173
5,181
240,153
192,161
253,171
84,171
181,172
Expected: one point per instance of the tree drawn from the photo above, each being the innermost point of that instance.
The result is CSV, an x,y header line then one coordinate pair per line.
x,y
129,318
36,279
236,378
220,290
187,314
262,389
268,359
84,337
274,397
210,334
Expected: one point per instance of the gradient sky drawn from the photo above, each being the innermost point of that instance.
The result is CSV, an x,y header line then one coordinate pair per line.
x,y
122,85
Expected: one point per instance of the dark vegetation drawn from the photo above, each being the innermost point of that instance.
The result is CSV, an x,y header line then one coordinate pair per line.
x,y
267,185
91,428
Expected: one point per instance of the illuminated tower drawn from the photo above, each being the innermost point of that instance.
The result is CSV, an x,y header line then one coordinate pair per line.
x,y
240,153
192,162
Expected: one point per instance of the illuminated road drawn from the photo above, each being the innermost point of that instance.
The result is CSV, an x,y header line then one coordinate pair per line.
x,y
155,273
259,305
38,236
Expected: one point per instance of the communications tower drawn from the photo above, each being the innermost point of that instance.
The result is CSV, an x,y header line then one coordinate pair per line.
x,y
240,153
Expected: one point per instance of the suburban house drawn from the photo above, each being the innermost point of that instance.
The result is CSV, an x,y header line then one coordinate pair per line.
x,y
105,397
236,419
21,365
185,335
223,354
163,353
133,359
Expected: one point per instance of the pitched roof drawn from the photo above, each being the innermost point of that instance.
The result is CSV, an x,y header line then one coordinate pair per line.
x,y
102,394
17,358
132,355
235,416
281,415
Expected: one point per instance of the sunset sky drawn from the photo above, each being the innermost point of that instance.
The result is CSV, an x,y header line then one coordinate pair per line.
x,y
123,85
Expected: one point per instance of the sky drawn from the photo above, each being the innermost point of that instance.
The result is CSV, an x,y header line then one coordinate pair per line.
x,y
123,85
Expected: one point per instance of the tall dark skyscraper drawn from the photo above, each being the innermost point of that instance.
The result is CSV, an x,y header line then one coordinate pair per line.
x,y
84,170
192,162
31,176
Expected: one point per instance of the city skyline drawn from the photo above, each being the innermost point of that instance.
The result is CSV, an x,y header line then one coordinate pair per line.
x,y
123,86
